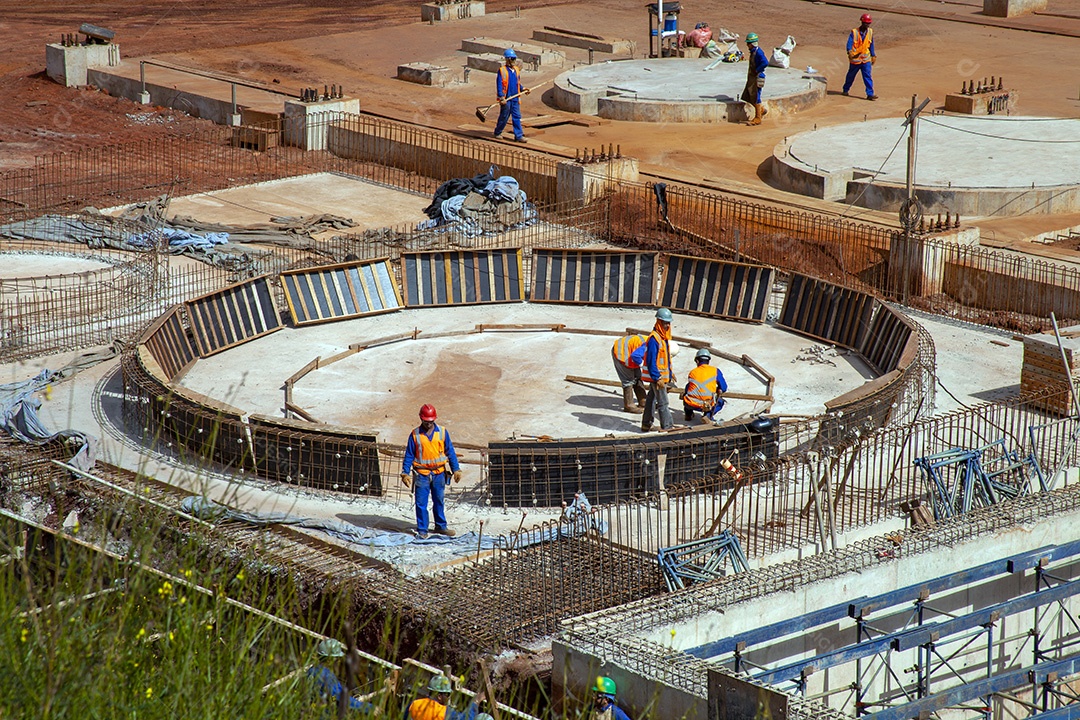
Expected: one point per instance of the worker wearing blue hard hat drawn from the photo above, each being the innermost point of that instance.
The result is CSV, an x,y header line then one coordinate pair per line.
x,y
508,89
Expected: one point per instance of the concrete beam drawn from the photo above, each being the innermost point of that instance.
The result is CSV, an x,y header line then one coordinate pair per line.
x,y
435,12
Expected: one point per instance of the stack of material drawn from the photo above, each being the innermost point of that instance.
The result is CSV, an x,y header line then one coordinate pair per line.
x,y
482,205
1044,370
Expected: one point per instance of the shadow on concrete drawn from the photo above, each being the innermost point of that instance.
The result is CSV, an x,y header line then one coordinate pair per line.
x,y
379,522
596,402
609,423
996,394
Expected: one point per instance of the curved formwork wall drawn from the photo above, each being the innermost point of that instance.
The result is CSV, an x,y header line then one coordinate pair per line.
x,y
520,473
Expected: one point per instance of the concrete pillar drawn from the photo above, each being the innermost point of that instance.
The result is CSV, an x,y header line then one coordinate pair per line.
x,y
581,183
68,65
306,123
917,269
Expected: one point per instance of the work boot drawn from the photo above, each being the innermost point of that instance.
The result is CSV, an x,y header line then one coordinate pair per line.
x,y
757,115
689,415
628,401
639,392
445,531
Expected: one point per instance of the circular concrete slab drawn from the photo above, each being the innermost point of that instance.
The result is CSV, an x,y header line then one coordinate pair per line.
x,y
974,165
679,90
22,265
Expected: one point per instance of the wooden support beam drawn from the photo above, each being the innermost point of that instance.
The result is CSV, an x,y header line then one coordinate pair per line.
x,y
671,389
291,407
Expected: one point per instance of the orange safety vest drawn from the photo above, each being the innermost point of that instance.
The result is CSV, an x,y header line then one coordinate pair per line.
x,y
701,389
426,709
504,78
624,347
662,362
860,47
430,454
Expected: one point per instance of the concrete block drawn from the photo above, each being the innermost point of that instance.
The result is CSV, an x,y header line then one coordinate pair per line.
x,y
301,132
612,46
441,12
488,62
144,97
1012,8
529,55
68,65
582,183
998,102
423,73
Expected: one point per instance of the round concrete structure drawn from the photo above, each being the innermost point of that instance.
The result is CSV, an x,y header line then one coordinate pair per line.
x,y
679,90
971,165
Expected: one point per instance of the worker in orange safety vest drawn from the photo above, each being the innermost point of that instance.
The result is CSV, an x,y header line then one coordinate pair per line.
x,y
435,705
703,389
428,454
656,372
628,353
861,56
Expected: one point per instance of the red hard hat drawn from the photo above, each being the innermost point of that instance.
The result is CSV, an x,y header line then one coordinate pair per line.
x,y
427,413
866,18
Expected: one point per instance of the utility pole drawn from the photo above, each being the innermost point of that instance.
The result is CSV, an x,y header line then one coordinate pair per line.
x,y
910,213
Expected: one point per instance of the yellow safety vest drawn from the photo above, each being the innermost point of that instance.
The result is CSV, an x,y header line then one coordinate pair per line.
x,y
624,347
430,454
701,388
860,46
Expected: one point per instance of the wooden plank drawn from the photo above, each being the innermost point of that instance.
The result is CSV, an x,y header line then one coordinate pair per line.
x,y
671,389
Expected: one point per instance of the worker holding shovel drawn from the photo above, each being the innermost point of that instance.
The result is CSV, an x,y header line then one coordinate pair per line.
x,y
508,89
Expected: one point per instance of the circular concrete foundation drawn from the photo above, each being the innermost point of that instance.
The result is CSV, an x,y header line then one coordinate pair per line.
x,y
32,267
679,90
971,165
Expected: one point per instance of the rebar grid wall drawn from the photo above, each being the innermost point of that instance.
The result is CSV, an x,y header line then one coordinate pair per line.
x,y
614,635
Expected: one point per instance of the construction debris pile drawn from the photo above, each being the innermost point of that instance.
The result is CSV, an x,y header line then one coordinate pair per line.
x,y
486,204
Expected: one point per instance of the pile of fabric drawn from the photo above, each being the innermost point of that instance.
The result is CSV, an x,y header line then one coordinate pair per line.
x,y
482,205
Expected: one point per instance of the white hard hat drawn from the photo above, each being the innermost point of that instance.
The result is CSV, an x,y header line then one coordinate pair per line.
x,y
674,349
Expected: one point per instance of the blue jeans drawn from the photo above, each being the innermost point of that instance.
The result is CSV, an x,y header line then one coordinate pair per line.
x,y
425,486
867,79
512,109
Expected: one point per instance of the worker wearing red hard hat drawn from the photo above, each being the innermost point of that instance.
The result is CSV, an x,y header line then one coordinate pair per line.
x,y
861,56
428,454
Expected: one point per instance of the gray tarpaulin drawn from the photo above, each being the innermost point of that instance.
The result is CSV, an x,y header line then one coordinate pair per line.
x,y
20,418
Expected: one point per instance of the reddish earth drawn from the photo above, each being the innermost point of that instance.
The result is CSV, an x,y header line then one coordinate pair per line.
x,y
359,45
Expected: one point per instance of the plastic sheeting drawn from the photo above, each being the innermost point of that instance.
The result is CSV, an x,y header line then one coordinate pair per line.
x,y
20,420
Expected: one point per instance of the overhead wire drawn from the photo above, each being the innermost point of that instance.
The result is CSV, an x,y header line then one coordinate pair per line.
x,y
874,176
999,137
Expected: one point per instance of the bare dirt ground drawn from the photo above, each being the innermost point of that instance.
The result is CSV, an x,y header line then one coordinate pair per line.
x,y
359,45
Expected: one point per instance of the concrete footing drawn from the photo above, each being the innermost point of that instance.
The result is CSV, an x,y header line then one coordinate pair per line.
x,y
577,182
441,12
611,46
997,102
530,55
423,73
487,62
1012,8
68,65
312,136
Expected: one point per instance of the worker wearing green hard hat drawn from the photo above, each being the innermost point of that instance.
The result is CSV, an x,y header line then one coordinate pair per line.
x,y
604,707
755,78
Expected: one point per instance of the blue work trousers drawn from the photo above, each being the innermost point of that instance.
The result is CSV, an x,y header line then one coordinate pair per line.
x,y
512,109
429,486
867,78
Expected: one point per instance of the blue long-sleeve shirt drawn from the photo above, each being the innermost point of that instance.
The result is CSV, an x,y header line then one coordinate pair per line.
x,y
411,450
652,350
851,43
513,82
758,62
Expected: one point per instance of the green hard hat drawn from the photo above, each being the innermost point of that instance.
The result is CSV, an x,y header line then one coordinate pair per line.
x,y
604,686
439,684
329,647
484,716
703,353
751,37
663,314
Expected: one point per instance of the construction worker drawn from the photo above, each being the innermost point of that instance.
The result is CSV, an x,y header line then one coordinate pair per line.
x,y
656,372
434,706
427,455
326,683
704,385
861,56
604,707
755,78
627,354
507,87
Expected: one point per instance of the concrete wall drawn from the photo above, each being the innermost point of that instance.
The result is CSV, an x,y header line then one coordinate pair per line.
x,y
432,12
969,202
200,106
576,182
307,124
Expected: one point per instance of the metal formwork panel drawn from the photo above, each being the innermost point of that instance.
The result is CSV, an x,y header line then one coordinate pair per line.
x,y
884,343
715,288
462,277
828,312
170,345
232,316
336,292
594,277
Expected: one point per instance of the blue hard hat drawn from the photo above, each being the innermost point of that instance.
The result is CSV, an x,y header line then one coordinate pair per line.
x,y
509,53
